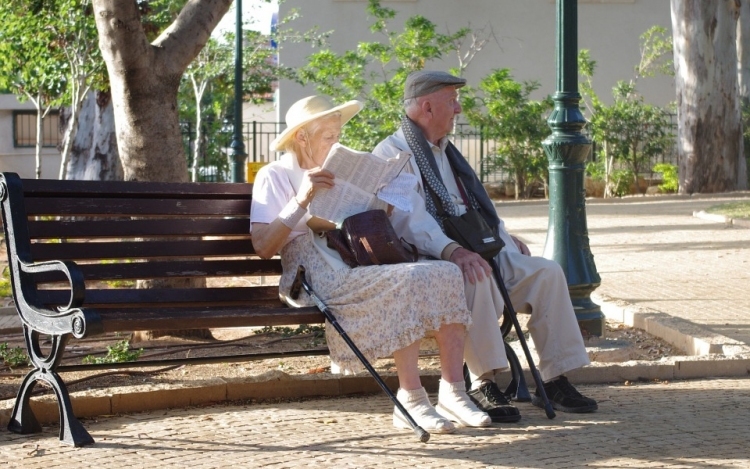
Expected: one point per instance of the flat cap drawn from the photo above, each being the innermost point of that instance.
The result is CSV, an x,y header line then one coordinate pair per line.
x,y
425,82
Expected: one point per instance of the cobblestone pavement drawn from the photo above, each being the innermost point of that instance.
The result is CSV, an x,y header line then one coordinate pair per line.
x,y
654,253
687,424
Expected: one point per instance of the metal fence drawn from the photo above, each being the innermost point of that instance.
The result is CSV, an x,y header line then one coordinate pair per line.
x,y
257,136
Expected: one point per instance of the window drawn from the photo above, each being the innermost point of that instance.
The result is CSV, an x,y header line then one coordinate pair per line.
x,y
24,129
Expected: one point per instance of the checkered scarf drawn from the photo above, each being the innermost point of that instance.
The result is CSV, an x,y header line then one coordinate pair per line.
x,y
431,174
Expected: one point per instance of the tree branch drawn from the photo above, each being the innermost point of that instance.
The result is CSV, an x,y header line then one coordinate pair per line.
x,y
181,42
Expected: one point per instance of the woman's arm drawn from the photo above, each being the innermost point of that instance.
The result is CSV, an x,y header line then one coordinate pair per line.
x,y
269,238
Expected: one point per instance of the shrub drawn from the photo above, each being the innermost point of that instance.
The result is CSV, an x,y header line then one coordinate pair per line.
x,y
670,183
13,357
118,353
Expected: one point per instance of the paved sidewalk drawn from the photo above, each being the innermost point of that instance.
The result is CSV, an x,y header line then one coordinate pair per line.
x,y
662,268
684,424
652,252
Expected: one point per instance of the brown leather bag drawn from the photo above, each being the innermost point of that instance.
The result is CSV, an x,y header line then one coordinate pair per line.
x,y
368,238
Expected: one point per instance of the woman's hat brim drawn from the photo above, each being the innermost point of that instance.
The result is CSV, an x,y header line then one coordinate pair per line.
x,y
348,110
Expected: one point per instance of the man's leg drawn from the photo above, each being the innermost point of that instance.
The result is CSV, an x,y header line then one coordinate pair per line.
x,y
538,285
484,351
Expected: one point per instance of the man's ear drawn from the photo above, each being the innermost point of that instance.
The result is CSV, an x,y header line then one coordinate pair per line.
x,y
426,107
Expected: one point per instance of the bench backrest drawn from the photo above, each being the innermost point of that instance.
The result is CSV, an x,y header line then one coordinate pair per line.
x,y
123,231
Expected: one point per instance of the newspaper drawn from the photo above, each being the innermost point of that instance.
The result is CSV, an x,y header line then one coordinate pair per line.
x,y
359,177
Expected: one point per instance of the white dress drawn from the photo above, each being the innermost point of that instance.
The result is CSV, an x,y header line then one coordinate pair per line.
x,y
382,308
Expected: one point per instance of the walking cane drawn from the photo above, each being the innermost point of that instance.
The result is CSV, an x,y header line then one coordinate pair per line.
x,y
301,281
534,372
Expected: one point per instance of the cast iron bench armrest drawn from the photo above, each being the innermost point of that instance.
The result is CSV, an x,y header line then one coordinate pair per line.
x,y
68,319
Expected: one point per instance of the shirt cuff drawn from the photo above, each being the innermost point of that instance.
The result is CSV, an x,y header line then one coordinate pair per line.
x,y
448,251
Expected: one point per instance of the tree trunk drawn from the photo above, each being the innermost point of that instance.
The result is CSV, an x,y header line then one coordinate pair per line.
x,y
93,153
709,136
743,71
145,78
39,141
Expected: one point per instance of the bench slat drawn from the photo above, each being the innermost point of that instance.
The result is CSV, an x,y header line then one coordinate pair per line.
x,y
117,189
130,228
141,249
176,269
206,317
125,298
118,207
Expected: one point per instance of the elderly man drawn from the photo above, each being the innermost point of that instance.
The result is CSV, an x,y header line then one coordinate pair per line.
x,y
448,186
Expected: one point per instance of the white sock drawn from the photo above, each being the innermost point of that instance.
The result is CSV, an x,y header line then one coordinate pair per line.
x,y
454,404
418,405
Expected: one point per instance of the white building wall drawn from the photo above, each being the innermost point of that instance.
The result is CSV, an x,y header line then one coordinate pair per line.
x,y
525,32
22,160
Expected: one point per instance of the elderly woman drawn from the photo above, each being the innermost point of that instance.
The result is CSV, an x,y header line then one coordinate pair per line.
x,y
385,309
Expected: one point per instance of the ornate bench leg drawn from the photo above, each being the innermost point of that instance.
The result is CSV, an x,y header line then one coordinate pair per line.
x,y
22,418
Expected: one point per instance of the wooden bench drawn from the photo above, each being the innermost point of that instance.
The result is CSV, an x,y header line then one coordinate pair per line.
x,y
66,237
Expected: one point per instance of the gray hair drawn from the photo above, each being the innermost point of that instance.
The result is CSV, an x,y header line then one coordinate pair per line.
x,y
410,103
309,129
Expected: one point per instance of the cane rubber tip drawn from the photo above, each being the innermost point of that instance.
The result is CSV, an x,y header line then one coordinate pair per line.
x,y
549,411
424,437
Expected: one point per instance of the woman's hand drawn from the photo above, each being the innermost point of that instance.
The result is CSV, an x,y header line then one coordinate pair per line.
x,y
313,180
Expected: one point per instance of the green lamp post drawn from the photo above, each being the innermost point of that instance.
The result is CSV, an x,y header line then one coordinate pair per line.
x,y
237,146
567,150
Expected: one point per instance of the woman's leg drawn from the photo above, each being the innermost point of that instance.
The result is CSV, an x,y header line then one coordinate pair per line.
x,y
450,339
413,396
453,402
407,367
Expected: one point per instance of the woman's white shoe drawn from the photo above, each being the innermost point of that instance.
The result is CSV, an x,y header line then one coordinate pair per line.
x,y
417,403
454,404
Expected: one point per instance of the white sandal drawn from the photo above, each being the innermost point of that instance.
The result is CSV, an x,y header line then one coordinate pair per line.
x,y
417,403
454,404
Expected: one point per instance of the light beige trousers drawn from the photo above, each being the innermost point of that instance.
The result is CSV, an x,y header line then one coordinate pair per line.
x,y
535,285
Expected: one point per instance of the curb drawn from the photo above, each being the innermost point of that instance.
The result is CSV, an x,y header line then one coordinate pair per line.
x,y
741,222
277,385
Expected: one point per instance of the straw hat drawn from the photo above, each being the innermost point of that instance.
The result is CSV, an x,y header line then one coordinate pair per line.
x,y
307,110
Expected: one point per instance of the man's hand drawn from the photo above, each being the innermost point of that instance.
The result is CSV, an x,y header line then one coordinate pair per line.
x,y
472,265
521,246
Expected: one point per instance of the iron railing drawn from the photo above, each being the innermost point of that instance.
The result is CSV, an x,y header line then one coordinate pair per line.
x,y
472,142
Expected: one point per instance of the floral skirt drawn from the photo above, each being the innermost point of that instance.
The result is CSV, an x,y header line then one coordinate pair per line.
x,y
382,308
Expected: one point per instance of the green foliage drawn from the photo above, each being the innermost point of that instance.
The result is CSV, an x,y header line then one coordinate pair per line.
x,y
670,182
118,353
656,53
206,96
595,170
732,209
746,134
5,285
375,71
620,180
502,109
290,332
629,131
13,357
317,332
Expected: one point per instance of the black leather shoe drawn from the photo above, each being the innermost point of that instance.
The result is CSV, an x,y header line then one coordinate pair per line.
x,y
490,399
565,397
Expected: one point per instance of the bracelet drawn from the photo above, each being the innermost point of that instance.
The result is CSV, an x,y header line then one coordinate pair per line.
x,y
292,213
